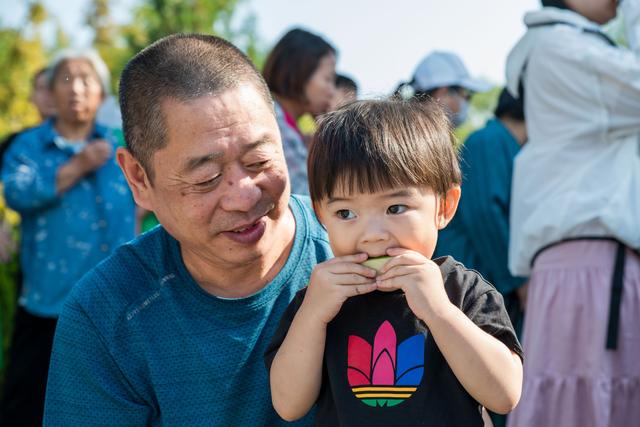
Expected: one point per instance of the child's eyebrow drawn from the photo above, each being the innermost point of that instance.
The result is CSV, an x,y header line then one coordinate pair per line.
x,y
336,199
399,193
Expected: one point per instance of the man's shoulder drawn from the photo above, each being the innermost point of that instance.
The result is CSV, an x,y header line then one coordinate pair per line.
x,y
303,211
130,274
484,138
32,137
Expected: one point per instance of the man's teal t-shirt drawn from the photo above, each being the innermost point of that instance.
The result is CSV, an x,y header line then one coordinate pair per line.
x,y
140,343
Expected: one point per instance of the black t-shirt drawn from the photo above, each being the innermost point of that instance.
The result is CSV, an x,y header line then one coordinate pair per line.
x,y
382,367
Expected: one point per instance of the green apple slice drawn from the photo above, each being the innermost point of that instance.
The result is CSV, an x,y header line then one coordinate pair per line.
x,y
376,263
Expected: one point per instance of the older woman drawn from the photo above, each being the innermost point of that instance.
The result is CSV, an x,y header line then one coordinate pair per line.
x,y
300,71
76,208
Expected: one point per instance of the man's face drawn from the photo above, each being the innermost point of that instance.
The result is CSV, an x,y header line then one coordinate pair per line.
x,y
77,92
374,222
221,184
599,11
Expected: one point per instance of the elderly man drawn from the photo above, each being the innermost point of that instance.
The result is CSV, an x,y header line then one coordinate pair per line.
x,y
172,328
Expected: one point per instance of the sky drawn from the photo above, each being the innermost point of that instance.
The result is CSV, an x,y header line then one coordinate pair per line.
x,y
379,42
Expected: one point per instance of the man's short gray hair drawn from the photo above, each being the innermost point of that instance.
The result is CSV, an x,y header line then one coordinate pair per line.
x,y
183,67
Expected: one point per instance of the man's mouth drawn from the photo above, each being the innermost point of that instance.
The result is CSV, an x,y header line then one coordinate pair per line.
x,y
248,234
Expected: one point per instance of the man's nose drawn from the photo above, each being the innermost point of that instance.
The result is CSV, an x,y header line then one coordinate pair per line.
x,y
241,193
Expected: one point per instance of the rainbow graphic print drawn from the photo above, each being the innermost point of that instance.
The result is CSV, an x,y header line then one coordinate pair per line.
x,y
385,374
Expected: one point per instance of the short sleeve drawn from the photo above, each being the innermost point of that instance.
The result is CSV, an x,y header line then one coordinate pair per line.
x,y
486,309
283,328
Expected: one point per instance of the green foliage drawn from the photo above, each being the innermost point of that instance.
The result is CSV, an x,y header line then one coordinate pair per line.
x,y
154,19
22,54
480,110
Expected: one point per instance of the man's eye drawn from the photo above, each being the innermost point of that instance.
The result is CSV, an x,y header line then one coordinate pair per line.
x,y
396,209
345,214
259,165
208,183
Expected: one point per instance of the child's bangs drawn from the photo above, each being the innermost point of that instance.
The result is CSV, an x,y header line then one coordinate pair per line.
x,y
361,169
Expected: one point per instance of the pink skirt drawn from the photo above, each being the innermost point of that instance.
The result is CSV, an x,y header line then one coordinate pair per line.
x,y
570,378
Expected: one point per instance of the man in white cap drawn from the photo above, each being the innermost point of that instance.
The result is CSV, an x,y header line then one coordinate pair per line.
x,y
442,76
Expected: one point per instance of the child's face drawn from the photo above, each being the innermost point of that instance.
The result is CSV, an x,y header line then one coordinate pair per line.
x,y
374,222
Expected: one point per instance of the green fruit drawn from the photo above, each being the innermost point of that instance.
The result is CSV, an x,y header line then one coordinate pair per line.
x,y
376,263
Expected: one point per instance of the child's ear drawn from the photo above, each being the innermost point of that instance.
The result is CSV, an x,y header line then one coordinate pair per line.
x,y
316,210
448,206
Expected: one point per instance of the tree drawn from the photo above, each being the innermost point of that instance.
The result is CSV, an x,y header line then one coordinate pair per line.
x,y
22,54
154,19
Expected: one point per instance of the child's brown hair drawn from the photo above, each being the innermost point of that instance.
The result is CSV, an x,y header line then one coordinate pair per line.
x,y
371,146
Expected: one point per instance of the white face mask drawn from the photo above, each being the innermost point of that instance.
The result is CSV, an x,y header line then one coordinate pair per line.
x,y
461,116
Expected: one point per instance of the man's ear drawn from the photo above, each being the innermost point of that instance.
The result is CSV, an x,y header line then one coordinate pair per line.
x,y
448,206
136,177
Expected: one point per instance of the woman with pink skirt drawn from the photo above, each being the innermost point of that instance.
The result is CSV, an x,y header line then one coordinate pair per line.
x,y
575,215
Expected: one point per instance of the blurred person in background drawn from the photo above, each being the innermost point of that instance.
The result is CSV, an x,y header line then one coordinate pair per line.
x,y
41,99
300,72
478,234
346,92
76,208
443,76
575,215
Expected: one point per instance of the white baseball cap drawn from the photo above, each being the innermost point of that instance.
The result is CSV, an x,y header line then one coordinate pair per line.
x,y
444,69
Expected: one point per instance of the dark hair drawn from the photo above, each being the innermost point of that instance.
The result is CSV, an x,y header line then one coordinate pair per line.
x,y
509,106
560,4
372,146
181,67
345,82
292,62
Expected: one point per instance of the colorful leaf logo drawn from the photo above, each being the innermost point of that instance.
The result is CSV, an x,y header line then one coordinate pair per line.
x,y
385,374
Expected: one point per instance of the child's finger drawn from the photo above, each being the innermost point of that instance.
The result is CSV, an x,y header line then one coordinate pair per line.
x,y
390,284
406,258
362,289
356,258
350,267
351,279
398,271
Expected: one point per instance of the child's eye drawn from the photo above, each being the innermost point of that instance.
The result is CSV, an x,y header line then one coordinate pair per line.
x,y
396,209
345,214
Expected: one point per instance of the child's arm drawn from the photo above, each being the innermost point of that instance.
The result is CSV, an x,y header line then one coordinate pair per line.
x,y
296,371
487,369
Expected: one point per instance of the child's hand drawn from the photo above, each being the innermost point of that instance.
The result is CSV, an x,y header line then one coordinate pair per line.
x,y
333,281
419,278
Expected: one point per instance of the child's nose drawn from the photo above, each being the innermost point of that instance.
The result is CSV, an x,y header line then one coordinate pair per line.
x,y
375,232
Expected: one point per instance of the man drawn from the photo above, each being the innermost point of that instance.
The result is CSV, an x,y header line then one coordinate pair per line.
x,y
172,328
346,92
75,208
443,76
41,99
